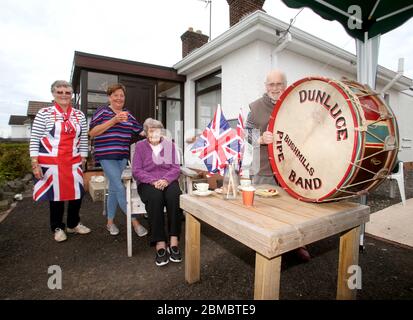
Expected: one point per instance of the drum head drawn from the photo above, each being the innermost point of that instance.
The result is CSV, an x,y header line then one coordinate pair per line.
x,y
315,141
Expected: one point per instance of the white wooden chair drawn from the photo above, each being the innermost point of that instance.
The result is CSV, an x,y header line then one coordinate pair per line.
x,y
399,177
134,204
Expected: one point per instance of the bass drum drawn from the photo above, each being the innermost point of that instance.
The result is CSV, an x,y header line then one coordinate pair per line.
x,y
332,139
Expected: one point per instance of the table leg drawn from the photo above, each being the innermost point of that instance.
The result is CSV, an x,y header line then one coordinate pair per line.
x,y
128,218
267,278
192,249
348,256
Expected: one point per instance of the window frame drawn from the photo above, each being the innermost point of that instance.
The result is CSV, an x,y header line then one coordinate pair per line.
x,y
212,88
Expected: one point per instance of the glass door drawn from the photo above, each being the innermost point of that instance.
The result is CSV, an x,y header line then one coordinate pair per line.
x,y
170,110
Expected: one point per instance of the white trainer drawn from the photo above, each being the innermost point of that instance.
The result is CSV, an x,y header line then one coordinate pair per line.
x,y
80,229
113,229
141,230
59,235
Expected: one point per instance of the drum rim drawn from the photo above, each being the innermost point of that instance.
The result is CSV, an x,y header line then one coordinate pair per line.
x,y
270,146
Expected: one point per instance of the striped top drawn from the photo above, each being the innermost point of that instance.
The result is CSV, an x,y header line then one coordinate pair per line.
x,y
114,142
44,122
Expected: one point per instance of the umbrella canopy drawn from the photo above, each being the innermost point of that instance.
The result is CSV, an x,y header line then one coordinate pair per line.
x,y
365,21
361,18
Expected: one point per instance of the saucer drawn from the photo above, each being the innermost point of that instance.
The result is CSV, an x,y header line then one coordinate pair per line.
x,y
202,194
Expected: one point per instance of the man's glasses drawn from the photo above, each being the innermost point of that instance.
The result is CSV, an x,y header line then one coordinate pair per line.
x,y
67,93
274,85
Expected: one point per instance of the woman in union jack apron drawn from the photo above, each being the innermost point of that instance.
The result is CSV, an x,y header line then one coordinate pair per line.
x,y
58,149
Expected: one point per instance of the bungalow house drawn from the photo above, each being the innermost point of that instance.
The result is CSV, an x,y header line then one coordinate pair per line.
x,y
20,128
34,106
229,70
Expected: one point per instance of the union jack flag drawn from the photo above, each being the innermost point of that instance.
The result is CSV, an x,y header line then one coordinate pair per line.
x,y
241,140
60,162
218,144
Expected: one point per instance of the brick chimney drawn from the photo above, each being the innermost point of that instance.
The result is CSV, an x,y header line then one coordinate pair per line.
x,y
192,40
239,9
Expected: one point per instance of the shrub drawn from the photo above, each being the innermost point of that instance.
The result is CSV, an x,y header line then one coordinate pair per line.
x,y
14,161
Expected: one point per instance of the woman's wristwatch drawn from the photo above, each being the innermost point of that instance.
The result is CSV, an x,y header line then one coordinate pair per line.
x,y
35,164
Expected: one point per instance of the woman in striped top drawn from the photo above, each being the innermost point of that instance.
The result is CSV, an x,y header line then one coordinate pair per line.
x,y
112,128
58,150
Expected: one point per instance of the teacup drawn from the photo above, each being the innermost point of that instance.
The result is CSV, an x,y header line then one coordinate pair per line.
x,y
202,187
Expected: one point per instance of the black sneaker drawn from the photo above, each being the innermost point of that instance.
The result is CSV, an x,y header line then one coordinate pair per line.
x,y
174,254
161,257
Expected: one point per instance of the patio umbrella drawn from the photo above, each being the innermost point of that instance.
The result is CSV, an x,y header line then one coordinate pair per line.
x,y
365,21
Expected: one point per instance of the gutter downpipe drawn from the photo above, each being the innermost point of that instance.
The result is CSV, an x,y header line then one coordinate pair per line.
x,y
274,61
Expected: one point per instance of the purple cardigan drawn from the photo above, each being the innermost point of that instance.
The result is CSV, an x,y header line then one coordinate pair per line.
x,y
148,168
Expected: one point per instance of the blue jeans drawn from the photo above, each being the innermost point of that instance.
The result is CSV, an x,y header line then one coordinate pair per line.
x,y
117,194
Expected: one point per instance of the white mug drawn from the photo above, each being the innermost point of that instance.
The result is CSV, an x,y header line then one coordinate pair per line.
x,y
202,187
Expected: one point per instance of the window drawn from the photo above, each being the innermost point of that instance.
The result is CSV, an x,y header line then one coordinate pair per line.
x,y
97,97
169,90
170,109
97,84
208,96
233,123
100,81
93,86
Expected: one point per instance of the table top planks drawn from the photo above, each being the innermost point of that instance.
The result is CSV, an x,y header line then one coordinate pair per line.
x,y
277,224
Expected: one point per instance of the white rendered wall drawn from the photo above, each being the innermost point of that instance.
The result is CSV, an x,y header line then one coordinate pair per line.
x,y
19,132
243,75
402,106
298,66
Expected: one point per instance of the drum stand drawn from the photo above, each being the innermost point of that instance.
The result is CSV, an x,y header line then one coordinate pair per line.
x,y
362,247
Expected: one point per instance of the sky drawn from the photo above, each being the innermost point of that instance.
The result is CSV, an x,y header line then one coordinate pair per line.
x,y
39,38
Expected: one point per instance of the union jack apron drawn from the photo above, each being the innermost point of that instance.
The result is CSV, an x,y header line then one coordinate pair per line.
x,y
60,160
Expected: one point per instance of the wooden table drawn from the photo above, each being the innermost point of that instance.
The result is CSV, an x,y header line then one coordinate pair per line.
x,y
271,227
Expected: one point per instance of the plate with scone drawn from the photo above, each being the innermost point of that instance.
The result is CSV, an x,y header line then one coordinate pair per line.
x,y
266,192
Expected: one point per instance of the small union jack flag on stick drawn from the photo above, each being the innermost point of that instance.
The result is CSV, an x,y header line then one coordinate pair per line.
x,y
241,140
218,144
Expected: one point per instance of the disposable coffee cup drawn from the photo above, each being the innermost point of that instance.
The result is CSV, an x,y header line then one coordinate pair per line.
x,y
248,196
125,113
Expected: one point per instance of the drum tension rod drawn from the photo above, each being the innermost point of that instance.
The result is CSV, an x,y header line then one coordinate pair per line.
x,y
366,106
372,155
374,136
363,168
361,182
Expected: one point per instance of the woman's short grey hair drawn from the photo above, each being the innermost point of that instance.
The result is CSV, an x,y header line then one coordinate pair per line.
x,y
60,83
151,123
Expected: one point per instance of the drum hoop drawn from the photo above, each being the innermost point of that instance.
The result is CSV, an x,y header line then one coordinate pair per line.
x,y
271,145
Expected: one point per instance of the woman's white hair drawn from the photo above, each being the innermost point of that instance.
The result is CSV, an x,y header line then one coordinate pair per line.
x,y
60,83
152,123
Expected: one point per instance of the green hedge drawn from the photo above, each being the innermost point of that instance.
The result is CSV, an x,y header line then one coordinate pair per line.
x,y
14,161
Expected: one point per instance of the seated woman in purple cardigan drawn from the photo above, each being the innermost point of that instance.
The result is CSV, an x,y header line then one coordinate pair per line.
x,y
156,171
